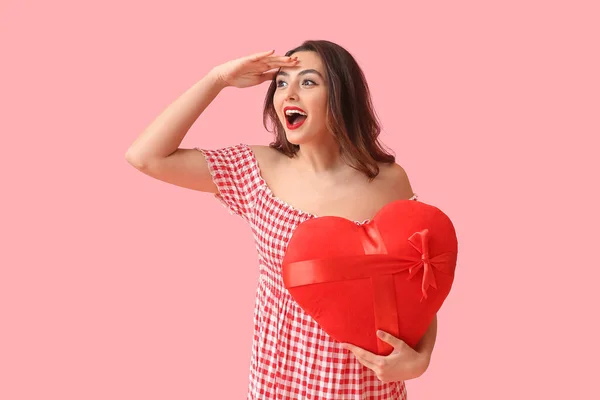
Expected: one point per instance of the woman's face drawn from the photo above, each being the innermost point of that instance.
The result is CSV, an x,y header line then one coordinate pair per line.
x,y
304,86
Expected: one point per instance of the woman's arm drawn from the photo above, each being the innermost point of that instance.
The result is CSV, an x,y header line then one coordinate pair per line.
x,y
427,342
164,135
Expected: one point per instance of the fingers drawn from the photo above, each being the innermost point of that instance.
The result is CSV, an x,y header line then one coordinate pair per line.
x,y
364,355
277,62
267,56
372,361
273,69
281,59
390,339
278,66
272,64
272,61
258,56
367,364
268,76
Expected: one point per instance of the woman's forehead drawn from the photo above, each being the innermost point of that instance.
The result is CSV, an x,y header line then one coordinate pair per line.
x,y
306,60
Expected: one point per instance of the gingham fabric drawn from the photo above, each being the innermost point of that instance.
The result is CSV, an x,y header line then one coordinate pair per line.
x,y
292,357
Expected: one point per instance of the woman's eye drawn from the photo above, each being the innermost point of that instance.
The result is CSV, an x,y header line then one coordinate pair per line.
x,y
304,81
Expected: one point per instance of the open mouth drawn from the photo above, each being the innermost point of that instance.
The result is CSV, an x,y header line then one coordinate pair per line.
x,y
295,119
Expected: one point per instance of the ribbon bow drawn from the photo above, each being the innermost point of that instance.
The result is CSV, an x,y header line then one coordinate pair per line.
x,y
422,246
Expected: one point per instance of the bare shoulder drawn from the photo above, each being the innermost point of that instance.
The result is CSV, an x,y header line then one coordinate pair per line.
x,y
266,156
397,180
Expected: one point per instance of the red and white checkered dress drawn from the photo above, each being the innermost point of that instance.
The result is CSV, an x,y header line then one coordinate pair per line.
x,y
292,357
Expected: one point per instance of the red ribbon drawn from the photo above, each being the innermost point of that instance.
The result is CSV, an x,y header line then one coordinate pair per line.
x,y
309,272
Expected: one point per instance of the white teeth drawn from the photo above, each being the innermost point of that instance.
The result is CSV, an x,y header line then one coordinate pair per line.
x,y
289,112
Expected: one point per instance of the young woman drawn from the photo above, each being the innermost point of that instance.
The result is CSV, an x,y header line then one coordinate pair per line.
x,y
325,161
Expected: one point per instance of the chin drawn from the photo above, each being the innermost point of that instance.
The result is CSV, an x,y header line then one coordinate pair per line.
x,y
296,138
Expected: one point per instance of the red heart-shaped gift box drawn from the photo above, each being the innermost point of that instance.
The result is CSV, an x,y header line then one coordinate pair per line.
x,y
392,273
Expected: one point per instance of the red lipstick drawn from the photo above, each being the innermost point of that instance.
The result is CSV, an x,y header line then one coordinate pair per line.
x,y
298,120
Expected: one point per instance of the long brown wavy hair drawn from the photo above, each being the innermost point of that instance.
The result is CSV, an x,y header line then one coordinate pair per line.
x,y
350,113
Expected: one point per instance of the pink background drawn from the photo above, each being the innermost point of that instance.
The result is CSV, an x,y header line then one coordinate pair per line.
x,y
114,285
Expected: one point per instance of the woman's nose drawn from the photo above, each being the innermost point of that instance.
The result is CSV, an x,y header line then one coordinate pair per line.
x,y
291,94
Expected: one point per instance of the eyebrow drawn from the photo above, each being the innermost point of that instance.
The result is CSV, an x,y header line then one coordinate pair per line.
x,y
303,72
